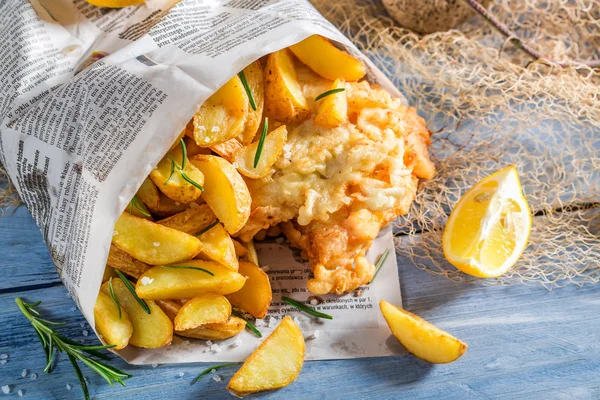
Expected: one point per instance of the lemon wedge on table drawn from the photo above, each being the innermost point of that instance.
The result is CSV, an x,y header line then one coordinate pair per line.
x,y
489,227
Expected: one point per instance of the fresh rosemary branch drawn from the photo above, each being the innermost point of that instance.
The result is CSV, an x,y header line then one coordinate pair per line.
x,y
249,325
175,166
52,341
261,142
380,262
247,89
113,297
329,92
138,205
305,309
131,289
200,232
214,367
189,267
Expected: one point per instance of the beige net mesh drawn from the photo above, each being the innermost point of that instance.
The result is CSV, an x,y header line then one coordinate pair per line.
x,y
491,106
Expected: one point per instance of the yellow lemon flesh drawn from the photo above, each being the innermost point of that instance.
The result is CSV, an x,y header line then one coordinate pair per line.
x,y
489,227
115,3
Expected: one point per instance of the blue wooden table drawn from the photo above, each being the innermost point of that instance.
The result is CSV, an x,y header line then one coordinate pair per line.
x,y
524,342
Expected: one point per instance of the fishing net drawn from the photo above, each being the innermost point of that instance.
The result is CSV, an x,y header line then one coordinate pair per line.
x,y
490,105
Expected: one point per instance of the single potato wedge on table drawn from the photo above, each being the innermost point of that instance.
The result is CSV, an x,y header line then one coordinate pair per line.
x,y
276,363
208,308
149,330
187,280
272,148
112,323
255,296
152,243
420,337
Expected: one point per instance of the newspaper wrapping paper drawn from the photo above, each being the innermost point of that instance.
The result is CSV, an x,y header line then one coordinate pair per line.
x,y
93,98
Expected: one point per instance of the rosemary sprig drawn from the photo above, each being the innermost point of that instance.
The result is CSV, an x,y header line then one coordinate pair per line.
x,y
131,289
305,309
175,166
261,142
329,92
247,89
75,351
208,228
380,262
249,325
215,367
189,267
113,297
138,205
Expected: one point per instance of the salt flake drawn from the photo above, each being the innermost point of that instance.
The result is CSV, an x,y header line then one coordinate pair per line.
x,y
82,324
3,356
33,377
20,393
237,343
6,389
146,280
24,373
154,365
217,378
209,343
215,129
181,374
85,333
156,244
69,386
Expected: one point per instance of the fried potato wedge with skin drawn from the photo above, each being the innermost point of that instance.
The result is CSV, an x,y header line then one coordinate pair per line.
x,y
224,191
240,249
420,337
284,100
167,206
169,307
152,243
150,331
193,148
177,188
332,110
148,194
165,283
114,330
252,255
327,60
276,363
223,115
208,308
125,263
218,246
255,296
227,149
254,74
272,148
190,221
234,326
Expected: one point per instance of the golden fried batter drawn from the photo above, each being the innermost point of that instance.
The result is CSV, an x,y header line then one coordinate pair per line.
x,y
333,189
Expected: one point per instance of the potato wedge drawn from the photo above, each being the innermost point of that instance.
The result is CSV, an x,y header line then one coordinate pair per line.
x,y
224,191
208,308
227,149
149,330
256,82
255,296
193,148
109,272
276,363
177,188
169,307
232,327
252,255
284,100
190,221
125,263
327,60
332,110
218,246
113,328
223,115
148,194
420,337
167,206
272,148
240,249
152,243
165,283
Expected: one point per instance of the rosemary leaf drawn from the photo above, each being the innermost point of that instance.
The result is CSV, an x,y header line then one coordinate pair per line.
x,y
247,89
249,324
200,232
261,142
183,152
191,181
380,262
215,367
172,171
189,267
82,382
329,92
305,309
131,289
141,207
113,297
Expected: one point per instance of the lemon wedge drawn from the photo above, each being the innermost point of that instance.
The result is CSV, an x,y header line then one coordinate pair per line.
x,y
489,227
115,3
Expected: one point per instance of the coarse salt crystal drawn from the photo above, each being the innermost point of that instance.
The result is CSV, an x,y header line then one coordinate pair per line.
x,y
154,365
73,308
287,148
20,393
24,373
181,374
201,128
266,268
296,321
215,348
314,335
85,333
69,387
33,376
313,302
3,356
217,378
6,389
3,362
146,281
82,324
156,244
237,343
206,139
279,240
259,322
215,129
209,343
271,322
205,350
115,233
185,343
194,205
